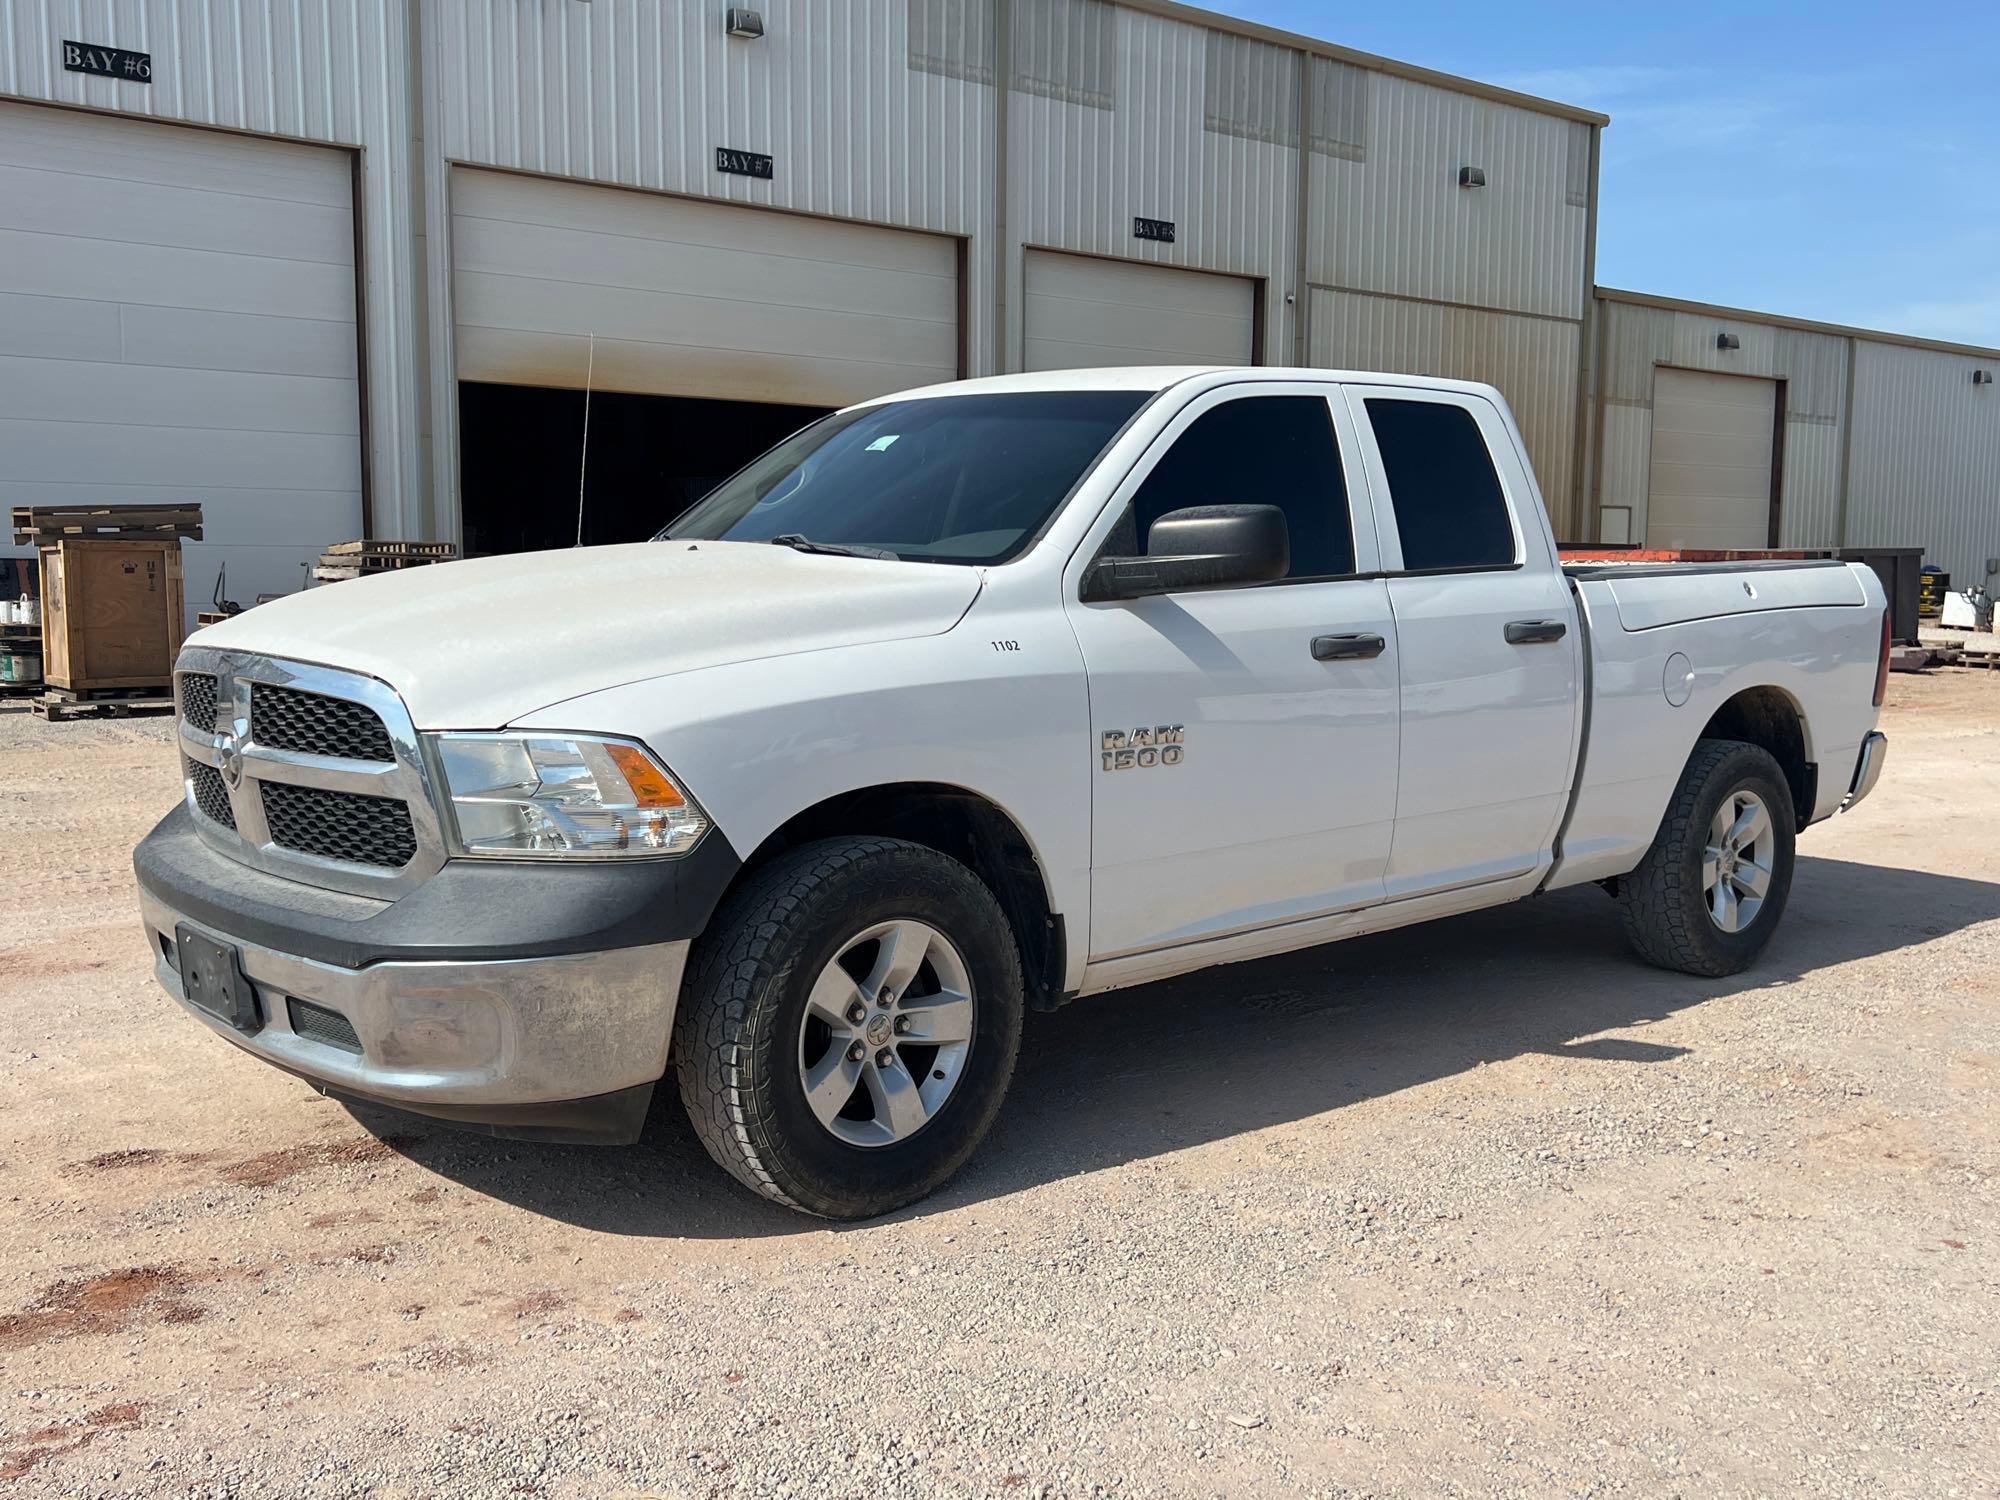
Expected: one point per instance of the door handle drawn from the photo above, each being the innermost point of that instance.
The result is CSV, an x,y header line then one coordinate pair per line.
x,y
1530,632
1346,647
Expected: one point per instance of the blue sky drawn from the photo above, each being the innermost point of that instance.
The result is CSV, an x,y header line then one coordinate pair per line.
x,y
1833,161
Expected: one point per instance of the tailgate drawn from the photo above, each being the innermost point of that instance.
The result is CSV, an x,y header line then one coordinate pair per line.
x,y
1652,597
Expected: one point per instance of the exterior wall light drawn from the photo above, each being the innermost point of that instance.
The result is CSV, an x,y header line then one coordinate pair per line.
x,y
1728,341
1471,177
746,23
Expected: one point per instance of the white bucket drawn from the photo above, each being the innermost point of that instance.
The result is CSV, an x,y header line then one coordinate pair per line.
x,y
28,611
10,613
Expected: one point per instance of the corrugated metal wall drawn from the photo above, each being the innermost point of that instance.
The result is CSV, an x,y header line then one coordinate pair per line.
x,y
642,92
1814,366
1092,146
1387,213
1926,457
314,70
1532,360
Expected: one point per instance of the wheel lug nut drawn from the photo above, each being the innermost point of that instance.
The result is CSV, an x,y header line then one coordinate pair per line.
x,y
883,998
884,1058
856,1012
902,1026
856,1052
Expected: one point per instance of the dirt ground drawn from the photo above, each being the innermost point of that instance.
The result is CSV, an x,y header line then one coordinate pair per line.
x,y
1478,1209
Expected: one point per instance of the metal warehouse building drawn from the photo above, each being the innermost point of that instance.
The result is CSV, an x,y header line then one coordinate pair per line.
x,y
369,296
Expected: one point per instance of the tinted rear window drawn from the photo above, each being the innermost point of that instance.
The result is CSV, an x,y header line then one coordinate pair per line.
x,y
1450,512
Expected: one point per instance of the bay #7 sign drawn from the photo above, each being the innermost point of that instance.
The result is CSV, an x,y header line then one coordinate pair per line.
x,y
107,62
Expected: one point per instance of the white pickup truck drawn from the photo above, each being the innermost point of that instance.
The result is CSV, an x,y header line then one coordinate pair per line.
x,y
962,703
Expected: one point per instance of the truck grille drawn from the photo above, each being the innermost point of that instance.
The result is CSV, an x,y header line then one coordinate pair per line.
x,y
339,825
284,718
324,785
198,699
210,795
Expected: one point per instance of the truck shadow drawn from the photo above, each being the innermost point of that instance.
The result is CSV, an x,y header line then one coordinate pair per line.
x,y
1158,1068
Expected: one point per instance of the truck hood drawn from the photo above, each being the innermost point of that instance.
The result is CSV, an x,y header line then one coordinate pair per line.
x,y
475,645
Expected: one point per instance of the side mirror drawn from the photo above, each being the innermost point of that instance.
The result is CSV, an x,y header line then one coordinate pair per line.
x,y
1201,547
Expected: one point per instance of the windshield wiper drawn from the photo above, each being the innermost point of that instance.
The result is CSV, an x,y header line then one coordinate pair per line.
x,y
800,543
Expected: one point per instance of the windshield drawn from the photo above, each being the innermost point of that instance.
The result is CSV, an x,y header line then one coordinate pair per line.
x,y
958,479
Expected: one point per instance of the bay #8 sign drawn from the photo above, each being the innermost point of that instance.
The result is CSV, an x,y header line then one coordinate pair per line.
x,y
107,62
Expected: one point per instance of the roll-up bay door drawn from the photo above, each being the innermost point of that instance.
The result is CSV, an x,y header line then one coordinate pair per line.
x,y
177,325
691,298
1711,475
1084,312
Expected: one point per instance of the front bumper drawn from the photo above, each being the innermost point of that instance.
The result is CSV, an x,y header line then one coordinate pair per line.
x,y
1867,768
551,1022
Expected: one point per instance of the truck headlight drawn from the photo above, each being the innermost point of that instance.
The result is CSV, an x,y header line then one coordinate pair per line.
x,y
552,796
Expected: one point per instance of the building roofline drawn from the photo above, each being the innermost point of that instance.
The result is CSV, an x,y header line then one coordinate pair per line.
x,y
1806,325
1212,21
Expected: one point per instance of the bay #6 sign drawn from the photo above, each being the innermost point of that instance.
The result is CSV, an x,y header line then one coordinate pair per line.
x,y
107,62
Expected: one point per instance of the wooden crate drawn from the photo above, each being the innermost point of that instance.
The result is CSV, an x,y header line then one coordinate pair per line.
x,y
111,613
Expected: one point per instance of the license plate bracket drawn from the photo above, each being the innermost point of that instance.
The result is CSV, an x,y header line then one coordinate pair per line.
x,y
212,978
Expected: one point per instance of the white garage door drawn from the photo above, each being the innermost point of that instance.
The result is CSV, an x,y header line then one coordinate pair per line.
x,y
1711,472
1084,312
176,325
689,298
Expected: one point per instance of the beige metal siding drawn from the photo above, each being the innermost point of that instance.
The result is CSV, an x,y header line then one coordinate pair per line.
x,y
308,69
1184,131
1387,214
1533,361
1638,338
1926,457
177,325
692,298
642,92
1709,483
1083,312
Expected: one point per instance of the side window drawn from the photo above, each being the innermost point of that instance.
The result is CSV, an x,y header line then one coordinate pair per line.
x,y
1261,450
1449,509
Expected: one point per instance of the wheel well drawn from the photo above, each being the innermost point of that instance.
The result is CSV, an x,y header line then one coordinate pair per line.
x,y
969,829
1768,718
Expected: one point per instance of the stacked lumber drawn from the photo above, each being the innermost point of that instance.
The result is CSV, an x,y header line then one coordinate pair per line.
x,y
35,524
378,555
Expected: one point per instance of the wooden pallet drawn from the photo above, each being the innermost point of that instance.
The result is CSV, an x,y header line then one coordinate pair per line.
x,y
358,559
52,523
58,704
378,548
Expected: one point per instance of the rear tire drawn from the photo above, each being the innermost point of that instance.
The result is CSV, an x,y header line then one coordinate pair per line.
x,y
849,1026
1711,890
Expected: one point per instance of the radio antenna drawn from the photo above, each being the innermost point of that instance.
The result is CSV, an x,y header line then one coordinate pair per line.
x,y
583,457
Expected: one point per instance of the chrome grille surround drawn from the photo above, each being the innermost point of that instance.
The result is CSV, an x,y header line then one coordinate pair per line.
x,y
245,765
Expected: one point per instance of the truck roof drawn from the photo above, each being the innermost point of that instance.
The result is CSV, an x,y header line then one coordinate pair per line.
x,y
1159,377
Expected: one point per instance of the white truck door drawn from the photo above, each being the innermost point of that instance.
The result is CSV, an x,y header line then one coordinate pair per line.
x,y
1486,633
1238,779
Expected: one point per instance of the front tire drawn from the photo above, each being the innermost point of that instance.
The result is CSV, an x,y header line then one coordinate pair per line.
x,y
850,1025
1711,890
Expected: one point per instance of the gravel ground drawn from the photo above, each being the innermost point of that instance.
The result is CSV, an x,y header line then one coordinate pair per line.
x,y
1483,1208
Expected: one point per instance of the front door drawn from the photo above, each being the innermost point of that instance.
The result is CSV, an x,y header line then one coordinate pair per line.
x,y
1240,779
1487,635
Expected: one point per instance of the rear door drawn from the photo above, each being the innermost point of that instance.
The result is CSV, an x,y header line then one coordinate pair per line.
x,y
1485,631
1240,779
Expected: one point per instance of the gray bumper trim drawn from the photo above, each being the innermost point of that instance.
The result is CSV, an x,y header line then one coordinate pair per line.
x,y
1867,768
502,1033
